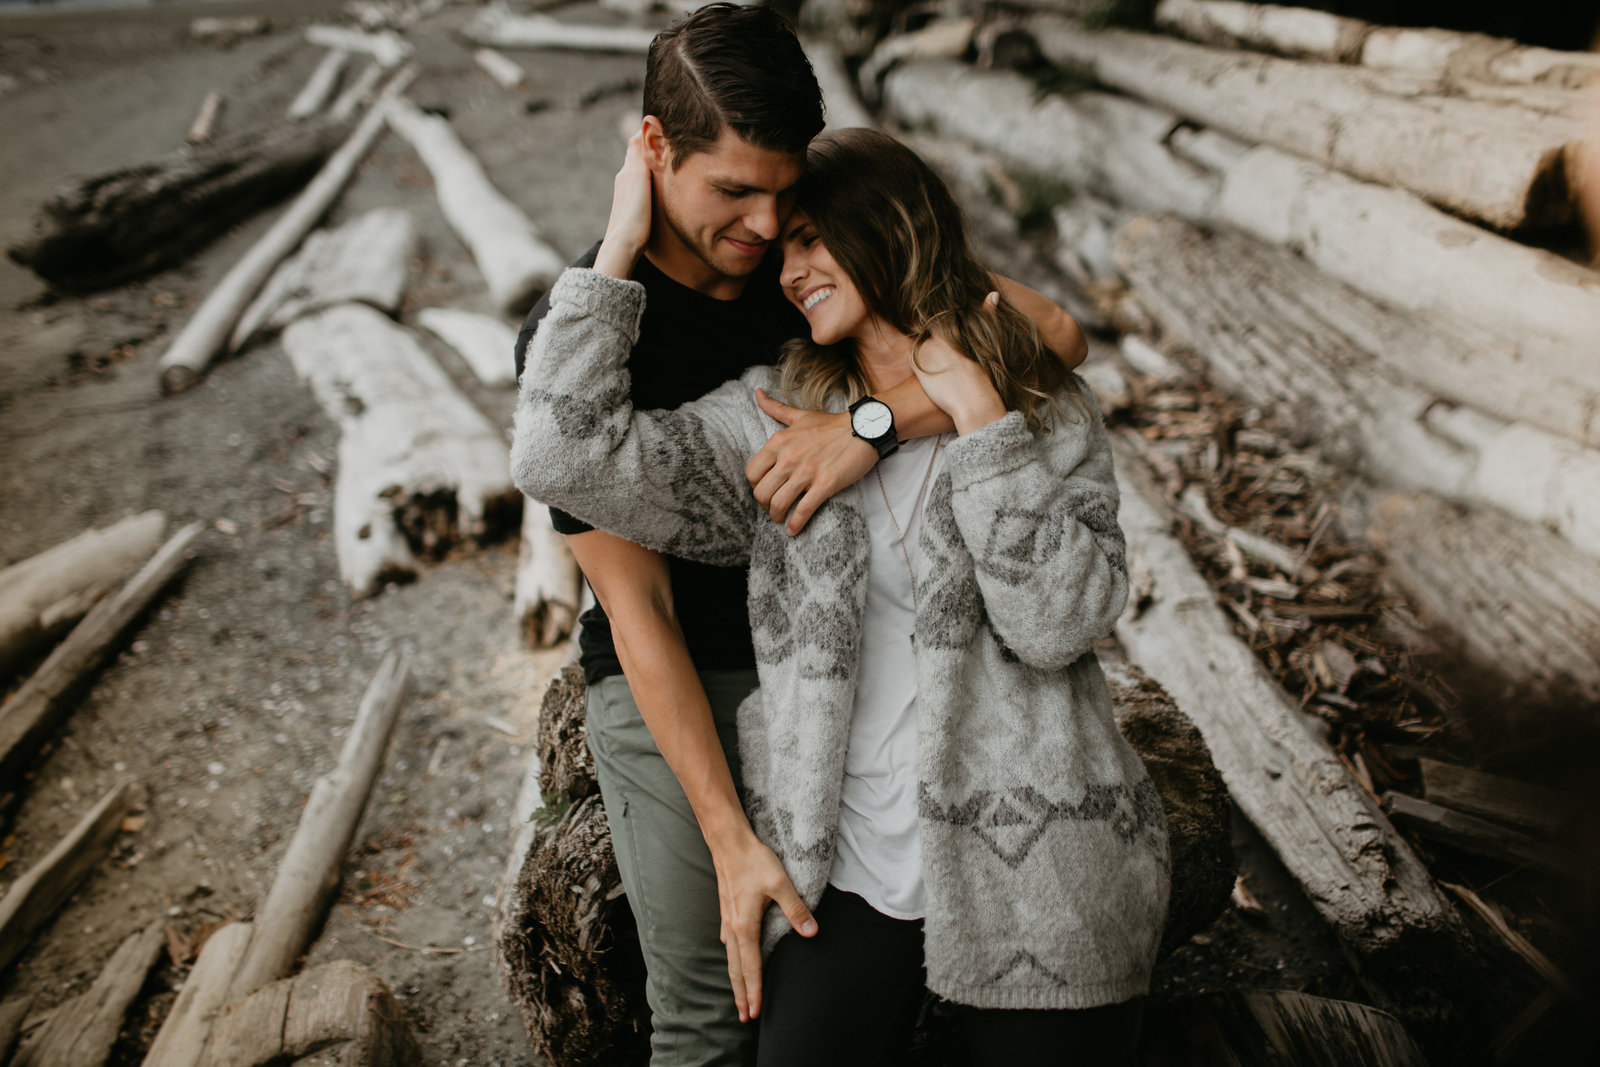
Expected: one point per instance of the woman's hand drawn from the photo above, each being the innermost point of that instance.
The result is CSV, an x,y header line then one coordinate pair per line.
x,y
628,230
956,383
749,877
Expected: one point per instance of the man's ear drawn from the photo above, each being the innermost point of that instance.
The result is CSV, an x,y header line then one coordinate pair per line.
x,y
657,149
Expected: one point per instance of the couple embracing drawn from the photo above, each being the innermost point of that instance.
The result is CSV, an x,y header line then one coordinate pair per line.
x,y
849,728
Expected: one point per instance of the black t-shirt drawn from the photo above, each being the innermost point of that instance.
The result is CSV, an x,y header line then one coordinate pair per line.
x,y
689,344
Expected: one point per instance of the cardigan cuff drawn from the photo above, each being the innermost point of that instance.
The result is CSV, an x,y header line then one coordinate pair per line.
x,y
990,451
614,301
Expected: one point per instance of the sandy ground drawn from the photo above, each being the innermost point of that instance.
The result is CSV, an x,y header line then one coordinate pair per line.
x,y
235,692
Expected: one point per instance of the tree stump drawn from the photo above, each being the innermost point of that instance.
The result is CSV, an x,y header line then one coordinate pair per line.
x,y
569,944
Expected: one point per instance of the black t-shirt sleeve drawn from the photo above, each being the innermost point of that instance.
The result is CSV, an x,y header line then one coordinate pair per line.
x,y
567,524
530,325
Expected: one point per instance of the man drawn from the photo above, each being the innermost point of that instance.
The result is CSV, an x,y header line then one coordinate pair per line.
x,y
730,103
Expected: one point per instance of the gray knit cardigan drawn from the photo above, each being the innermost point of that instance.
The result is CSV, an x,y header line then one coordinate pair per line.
x,y
1044,846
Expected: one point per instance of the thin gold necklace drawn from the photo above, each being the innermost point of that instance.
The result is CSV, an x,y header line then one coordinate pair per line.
x,y
915,508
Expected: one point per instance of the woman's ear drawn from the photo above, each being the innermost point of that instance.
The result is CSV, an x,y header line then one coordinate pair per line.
x,y
657,149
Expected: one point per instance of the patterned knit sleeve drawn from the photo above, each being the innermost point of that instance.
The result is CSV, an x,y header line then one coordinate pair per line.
x,y
1038,512
669,480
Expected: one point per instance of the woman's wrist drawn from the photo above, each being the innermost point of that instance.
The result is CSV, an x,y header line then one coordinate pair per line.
x,y
978,410
617,257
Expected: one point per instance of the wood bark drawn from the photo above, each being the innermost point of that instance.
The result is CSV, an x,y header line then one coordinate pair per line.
x,y
36,895
205,121
320,87
1480,836
502,68
567,939
367,260
484,343
1534,808
1290,31
1273,1027
183,1035
12,1014
288,919
1501,164
82,1031
203,336
339,1012
548,581
43,595
30,714
497,27
1525,318
516,262
129,222
1358,873
420,468
1283,334
1521,603
387,48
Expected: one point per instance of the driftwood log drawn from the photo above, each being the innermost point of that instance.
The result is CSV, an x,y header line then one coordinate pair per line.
x,y
127,223
1521,603
420,468
30,714
484,343
1283,334
204,335
320,87
183,1034
388,49
357,93
367,261
516,262
81,1031
205,120
1298,32
42,596
1258,1028
1537,809
567,939
340,1012
1359,874
505,71
1480,836
293,911
36,895
1525,318
844,109
12,1015
549,584
497,27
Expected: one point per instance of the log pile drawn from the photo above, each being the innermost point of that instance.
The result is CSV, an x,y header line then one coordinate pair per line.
x,y
566,937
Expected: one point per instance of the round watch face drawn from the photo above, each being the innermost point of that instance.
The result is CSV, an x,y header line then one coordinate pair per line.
x,y
872,419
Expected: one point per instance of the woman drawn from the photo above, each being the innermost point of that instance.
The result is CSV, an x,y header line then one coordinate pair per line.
x,y
932,752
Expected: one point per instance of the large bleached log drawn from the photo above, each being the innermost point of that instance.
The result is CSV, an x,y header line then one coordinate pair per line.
x,y
43,595
481,341
340,1012
420,468
1524,604
1281,333
129,222
288,919
515,260
320,87
36,895
548,581
497,27
364,261
1528,318
1289,31
1449,57
39,704
389,49
1504,165
843,107
1359,874
82,1031
203,336
183,1035
942,38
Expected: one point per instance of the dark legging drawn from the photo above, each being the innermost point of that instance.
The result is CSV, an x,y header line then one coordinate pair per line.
x,y
851,994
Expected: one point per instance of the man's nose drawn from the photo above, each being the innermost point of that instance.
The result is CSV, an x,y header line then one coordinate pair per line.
x,y
763,218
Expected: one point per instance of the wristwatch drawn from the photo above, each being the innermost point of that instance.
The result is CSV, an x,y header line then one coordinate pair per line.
x,y
873,422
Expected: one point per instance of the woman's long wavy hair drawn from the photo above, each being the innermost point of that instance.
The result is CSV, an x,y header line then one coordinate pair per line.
x,y
893,228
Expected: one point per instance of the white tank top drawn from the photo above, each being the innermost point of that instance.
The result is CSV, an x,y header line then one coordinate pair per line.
x,y
878,851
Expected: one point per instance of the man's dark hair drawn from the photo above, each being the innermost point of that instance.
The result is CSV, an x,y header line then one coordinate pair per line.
x,y
734,66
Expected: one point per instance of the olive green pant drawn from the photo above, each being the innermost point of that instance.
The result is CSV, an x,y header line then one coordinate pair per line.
x,y
667,873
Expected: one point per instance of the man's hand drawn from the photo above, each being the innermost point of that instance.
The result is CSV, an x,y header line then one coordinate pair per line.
x,y
749,877
805,464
